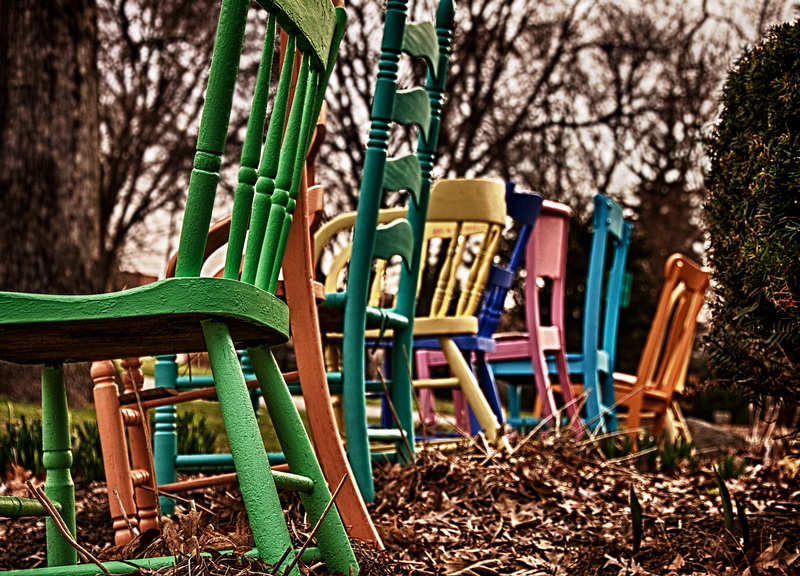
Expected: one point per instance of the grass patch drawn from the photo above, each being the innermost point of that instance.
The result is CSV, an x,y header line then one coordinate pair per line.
x,y
11,411
14,412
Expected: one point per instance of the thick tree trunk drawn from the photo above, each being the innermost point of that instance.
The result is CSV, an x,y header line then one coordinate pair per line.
x,y
50,236
49,160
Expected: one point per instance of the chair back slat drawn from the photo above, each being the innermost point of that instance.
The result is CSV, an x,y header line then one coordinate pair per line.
x,y
548,248
251,154
462,211
211,137
265,228
403,173
420,41
413,107
270,171
418,211
668,348
394,239
422,108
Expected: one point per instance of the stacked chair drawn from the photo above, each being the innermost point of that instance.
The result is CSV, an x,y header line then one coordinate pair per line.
x,y
300,291
189,313
464,223
594,365
348,312
133,475
546,265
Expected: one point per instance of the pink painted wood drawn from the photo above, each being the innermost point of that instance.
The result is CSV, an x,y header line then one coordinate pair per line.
x,y
546,259
546,256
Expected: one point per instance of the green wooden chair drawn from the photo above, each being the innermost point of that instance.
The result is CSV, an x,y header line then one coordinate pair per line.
x,y
191,313
403,237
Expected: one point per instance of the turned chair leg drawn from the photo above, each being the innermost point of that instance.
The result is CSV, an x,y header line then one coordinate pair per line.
x,y
111,427
57,460
141,447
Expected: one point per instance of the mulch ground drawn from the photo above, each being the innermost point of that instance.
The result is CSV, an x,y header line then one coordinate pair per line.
x,y
553,507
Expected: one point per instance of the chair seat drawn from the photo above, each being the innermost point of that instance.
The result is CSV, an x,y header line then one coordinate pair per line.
x,y
448,326
427,327
43,328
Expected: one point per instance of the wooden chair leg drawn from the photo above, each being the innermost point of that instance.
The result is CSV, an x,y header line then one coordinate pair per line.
x,y
143,475
488,384
471,389
323,425
427,411
328,445
331,536
57,459
111,428
257,485
165,435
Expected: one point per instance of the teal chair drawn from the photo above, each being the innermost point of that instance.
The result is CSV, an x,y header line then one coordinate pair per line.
x,y
189,313
347,312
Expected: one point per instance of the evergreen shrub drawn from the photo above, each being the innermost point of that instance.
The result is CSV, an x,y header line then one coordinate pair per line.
x,y
753,218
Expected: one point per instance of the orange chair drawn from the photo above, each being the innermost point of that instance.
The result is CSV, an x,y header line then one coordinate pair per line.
x,y
667,352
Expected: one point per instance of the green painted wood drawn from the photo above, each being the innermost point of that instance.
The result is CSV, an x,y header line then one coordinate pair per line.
x,y
420,41
421,107
212,135
148,564
282,205
300,456
280,174
405,303
394,239
360,268
258,488
267,171
142,321
57,461
16,507
165,435
413,107
188,313
403,173
251,154
313,22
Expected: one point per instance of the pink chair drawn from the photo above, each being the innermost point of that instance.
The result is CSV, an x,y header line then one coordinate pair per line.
x,y
545,255
517,354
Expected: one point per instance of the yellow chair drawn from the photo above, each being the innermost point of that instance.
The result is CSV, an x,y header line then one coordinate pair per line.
x,y
465,221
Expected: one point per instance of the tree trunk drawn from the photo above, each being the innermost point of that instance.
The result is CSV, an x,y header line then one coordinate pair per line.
x,y
49,150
